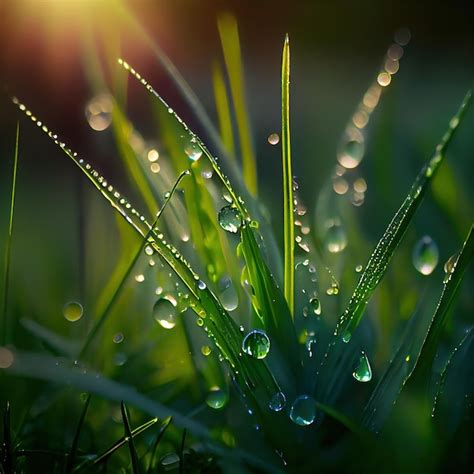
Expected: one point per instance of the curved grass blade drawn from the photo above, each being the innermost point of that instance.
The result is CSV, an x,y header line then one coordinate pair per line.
x,y
223,110
229,35
160,435
415,355
7,448
129,439
6,272
288,211
383,252
106,311
72,453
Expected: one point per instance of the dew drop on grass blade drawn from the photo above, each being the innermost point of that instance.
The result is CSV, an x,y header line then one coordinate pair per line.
x,y
382,254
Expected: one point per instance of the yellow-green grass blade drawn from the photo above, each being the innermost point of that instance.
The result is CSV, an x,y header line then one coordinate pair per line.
x,y
223,109
383,252
288,211
8,249
229,35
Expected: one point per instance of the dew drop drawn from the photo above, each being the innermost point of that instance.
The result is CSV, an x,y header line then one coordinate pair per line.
x,y
273,139
229,219
425,255
450,266
256,344
193,151
118,338
99,112
205,350
363,372
201,285
216,398
346,336
73,311
358,268
228,296
315,305
165,313
336,238
277,402
351,152
303,410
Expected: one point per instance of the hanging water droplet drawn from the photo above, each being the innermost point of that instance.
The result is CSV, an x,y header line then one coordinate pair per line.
x,y
425,255
351,152
256,344
273,139
363,372
303,410
336,238
450,266
315,305
165,313
229,219
216,398
73,311
277,402
228,296
193,151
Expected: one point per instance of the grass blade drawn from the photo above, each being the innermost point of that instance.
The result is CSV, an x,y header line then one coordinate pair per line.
x,y
181,453
159,437
416,352
7,458
383,252
223,110
72,453
229,35
6,272
129,439
288,211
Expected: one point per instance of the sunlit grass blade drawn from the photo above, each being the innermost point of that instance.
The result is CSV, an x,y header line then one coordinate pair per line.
x,y
129,438
223,109
415,355
114,296
7,448
288,204
229,35
72,453
8,248
159,437
383,252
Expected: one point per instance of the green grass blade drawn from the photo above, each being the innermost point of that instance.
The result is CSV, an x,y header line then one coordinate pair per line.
x,y
383,252
418,347
7,461
159,437
129,438
181,453
6,272
288,211
229,35
223,110
72,453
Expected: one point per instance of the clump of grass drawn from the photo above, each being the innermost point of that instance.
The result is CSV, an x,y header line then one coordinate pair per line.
x,y
257,353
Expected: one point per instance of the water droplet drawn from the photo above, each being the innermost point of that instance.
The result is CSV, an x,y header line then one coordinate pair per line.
x,y
73,311
363,372
256,344
315,305
118,338
193,151
346,336
425,255
229,219
6,358
303,410
169,461
336,238
273,139
99,112
153,155
277,402
450,266
216,398
201,285
165,313
149,250
140,278
228,295
205,350
120,358
358,268
351,152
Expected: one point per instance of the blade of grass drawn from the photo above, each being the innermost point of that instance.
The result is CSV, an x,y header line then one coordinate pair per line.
x,y
288,211
129,438
7,461
383,252
72,453
229,35
181,453
223,110
160,435
6,272
417,349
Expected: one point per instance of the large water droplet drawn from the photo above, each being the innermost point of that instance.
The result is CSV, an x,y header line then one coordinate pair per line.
x,y
165,313
315,305
230,219
73,311
336,238
425,255
273,138
228,295
193,151
277,402
216,398
363,372
99,112
256,344
303,410
351,152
